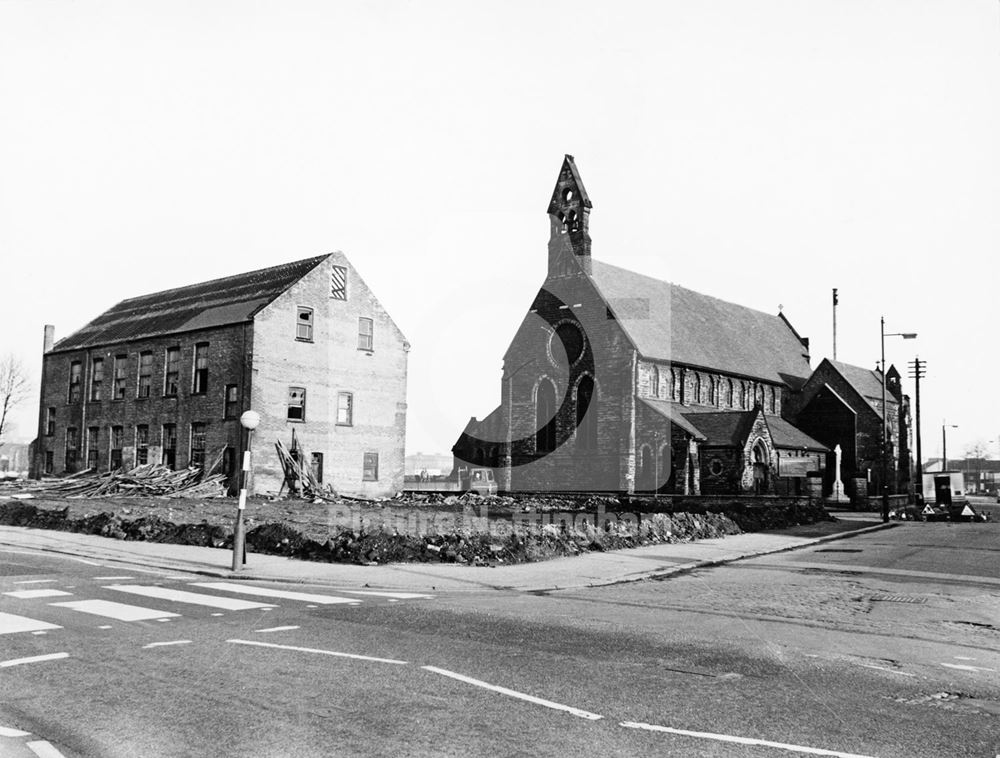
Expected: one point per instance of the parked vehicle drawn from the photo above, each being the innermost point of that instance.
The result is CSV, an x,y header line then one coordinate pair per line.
x,y
478,480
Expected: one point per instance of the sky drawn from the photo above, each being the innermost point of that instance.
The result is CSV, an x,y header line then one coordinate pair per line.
x,y
760,152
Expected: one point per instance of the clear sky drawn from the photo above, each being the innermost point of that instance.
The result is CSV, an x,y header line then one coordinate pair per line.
x,y
761,152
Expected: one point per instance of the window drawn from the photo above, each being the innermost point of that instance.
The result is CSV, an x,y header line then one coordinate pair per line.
x,y
200,384
141,444
117,443
304,325
93,436
655,382
72,448
96,378
345,409
197,444
729,393
317,467
169,445
365,334
338,283
773,401
121,374
232,401
370,473
172,372
50,422
586,415
145,374
49,462
545,421
296,403
74,382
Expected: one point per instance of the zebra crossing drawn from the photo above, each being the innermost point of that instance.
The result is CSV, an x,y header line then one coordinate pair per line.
x,y
154,602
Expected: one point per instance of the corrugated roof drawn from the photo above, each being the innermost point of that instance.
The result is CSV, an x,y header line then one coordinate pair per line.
x,y
671,323
230,300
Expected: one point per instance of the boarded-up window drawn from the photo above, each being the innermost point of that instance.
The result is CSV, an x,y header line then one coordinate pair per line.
x,y
345,409
338,283
370,473
317,466
296,403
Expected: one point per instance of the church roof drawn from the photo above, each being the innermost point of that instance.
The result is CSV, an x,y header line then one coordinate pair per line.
x,y
786,436
569,166
673,413
868,382
229,300
723,428
671,323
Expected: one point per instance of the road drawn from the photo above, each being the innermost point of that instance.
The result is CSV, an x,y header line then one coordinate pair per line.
x,y
884,644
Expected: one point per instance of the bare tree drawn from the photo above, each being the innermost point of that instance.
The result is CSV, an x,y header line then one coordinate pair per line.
x,y
976,454
14,387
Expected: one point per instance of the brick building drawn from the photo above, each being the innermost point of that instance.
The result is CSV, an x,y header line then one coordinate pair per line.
x,y
618,381
164,378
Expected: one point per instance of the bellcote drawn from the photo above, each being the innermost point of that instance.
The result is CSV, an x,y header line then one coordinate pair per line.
x,y
569,220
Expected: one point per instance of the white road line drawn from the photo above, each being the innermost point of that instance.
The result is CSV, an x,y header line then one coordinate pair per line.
x,y
966,668
50,555
118,611
263,592
277,629
6,731
33,659
10,624
165,644
514,693
741,740
194,598
397,595
29,594
164,574
883,668
320,652
110,578
35,581
963,658
44,749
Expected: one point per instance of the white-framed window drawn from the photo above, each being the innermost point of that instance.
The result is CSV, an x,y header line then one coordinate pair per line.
x,y
345,409
366,334
304,324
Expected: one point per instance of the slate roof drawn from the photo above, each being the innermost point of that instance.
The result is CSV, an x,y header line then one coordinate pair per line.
x,y
723,428
671,323
219,302
786,436
672,412
868,382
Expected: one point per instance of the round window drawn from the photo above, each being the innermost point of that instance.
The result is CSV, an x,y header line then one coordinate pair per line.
x,y
715,466
567,339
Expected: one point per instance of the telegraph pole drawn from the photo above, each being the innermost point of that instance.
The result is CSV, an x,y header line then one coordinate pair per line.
x,y
918,369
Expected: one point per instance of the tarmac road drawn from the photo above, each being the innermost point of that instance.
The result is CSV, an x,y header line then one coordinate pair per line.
x,y
799,659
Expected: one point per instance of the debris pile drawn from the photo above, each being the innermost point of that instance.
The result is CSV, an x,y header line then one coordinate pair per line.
x,y
146,480
299,478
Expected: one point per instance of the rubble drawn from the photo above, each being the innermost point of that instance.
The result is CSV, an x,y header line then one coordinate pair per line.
x,y
146,480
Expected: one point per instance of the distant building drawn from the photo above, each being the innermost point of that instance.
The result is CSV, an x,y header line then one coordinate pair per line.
x,y
164,378
981,475
619,381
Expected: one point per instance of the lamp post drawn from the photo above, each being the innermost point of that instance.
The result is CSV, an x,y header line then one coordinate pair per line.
x,y
249,420
885,424
944,444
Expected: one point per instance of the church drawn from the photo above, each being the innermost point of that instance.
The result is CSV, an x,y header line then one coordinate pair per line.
x,y
618,382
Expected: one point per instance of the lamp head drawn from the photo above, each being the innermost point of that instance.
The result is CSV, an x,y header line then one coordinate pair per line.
x,y
250,420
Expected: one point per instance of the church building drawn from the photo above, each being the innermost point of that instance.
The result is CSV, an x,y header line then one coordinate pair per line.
x,y
616,381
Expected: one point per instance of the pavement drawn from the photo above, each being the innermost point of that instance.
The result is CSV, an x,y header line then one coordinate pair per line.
x,y
586,570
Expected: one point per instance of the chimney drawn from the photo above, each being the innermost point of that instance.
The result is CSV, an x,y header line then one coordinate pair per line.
x,y
50,338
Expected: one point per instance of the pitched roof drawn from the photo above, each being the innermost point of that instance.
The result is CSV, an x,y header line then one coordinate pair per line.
x,y
784,435
724,428
868,382
569,167
230,300
672,412
671,323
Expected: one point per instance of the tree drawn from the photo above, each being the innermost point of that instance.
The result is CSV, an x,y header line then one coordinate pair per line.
x,y
976,452
14,387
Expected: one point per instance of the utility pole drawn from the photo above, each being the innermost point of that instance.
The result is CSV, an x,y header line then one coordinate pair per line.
x,y
835,323
918,370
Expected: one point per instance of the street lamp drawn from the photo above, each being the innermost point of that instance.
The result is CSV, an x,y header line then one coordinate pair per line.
x,y
249,420
944,444
885,424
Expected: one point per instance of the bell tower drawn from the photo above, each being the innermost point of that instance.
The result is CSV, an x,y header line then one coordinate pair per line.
x,y
569,220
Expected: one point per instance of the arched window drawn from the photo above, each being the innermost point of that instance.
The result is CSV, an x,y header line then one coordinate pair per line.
x,y
655,379
674,394
586,415
545,422
773,401
697,387
729,392
712,398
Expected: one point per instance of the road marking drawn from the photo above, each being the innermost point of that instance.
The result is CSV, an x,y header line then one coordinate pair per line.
x,y
117,611
33,659
161,573
29,594
966,668
10,624
6,731
883,668
514,693
320,652
105,626
36,581
263,592
194,598
963,658
741,740
110,578
397,595
44,749
51,555
164,644
277,629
